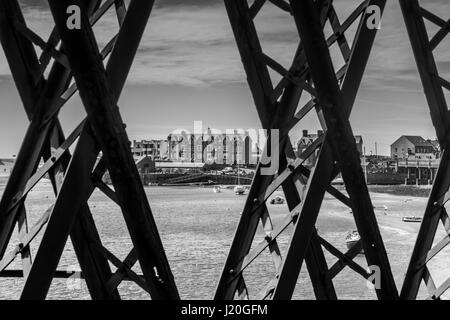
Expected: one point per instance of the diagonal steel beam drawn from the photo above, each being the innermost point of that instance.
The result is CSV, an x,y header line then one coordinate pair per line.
x,y
60,223
91,263
352,72
107,125
22,58
315,258
413,15
272,115
343,147
428,71
86,231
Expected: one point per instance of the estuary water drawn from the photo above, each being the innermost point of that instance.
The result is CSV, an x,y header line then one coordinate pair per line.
x,y
197,227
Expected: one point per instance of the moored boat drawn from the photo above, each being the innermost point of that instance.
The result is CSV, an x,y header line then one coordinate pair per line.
x,y
352,238
277,200
412,219
239,190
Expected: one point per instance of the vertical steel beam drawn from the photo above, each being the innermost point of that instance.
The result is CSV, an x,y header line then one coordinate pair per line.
x,y
106,122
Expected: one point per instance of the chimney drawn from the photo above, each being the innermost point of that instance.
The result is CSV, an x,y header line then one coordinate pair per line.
x,y
305,133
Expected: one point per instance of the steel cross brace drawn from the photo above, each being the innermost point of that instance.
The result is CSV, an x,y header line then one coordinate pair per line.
x,y
291,201
266,101
37,285
99,91
433,84
27,72
335,110
271,117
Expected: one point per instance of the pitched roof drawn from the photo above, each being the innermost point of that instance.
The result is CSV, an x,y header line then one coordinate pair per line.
x,y
418,141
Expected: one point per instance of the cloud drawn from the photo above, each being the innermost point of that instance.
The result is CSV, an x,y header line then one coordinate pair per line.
x,y
190,42
184,3
34,3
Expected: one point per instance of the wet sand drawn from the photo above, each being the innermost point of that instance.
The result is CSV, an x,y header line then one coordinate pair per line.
x,y
197,227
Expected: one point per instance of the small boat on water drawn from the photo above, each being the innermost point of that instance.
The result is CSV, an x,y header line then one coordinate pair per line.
x,y
277,200
352,238
239,190
412,219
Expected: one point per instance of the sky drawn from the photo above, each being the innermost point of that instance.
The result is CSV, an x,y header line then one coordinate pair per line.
x,y
188,69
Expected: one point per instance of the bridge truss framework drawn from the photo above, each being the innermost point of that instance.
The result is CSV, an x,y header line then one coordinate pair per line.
x,y
71,62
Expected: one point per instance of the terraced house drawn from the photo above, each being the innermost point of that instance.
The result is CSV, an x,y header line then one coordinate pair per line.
x,y
414,147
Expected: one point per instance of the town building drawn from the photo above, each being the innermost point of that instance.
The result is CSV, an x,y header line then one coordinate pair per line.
x,y
308,138
211,147
145,164
414,147
436,146
156,149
